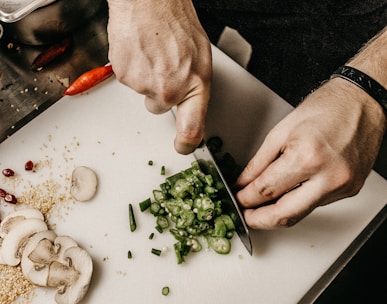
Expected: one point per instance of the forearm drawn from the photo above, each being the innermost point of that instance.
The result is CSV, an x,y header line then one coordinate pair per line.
x,y
372,59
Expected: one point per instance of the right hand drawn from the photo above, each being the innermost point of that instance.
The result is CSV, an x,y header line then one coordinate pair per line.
x,y
159,49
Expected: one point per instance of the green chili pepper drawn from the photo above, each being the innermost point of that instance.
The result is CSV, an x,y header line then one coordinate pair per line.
x,y
132,220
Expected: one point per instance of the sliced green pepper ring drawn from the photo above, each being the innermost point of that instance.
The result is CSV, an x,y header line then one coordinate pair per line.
x,y
219,244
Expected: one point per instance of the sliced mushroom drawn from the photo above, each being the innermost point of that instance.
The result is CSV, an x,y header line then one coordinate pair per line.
x,y
61,275
84,184
61,244
74,292
16,217
44,252
36,272
13,240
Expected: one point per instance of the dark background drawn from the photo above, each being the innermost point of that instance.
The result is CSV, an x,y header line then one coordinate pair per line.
x,y
296,46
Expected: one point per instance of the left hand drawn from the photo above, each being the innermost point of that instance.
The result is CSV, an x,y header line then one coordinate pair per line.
x,y
321,152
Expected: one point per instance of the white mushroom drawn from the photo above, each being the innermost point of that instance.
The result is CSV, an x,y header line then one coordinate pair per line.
x,y
76,276
36,258
61,276
84,183
15,238
61,244
16,217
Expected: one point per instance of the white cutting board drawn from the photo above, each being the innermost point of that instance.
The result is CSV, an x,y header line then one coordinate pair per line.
x,y
109,130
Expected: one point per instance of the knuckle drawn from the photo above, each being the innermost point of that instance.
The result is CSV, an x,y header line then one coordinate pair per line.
x,y
268,192
347,181
311,157
286,222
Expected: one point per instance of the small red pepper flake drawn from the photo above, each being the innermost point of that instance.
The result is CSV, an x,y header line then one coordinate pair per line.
x,y
10,198
8,172
29,165
3,193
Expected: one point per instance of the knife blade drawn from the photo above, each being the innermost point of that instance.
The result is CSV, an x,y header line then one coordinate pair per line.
x,y
206,161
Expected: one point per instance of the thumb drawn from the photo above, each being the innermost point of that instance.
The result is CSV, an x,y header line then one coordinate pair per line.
x,y
190,122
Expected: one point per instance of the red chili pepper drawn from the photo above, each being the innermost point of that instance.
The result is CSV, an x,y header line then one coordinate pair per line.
x,y
51,53
89,79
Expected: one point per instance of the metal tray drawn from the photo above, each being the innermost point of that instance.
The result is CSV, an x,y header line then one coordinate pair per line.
x,y
12,11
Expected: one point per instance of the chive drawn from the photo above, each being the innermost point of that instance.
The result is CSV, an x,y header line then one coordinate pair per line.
x,y
156,251
129,254
162,170
144,205
150,162
132,220
165,291
151,236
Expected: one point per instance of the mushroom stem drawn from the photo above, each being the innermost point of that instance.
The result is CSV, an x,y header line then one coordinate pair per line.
x,y
44,252
61,275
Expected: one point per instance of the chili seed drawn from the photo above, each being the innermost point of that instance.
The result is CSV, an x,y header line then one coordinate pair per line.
x,y
10,198
8,172
29,165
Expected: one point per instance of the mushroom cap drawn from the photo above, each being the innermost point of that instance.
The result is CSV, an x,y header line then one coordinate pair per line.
x,y
35,272
82,262
13,240
16,217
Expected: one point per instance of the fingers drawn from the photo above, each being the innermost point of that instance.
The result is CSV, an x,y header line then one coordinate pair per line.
x,y
288,210
279,177
156,107
267,153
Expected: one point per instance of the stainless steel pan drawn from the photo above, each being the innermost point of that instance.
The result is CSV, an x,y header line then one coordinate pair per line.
x,y
50,22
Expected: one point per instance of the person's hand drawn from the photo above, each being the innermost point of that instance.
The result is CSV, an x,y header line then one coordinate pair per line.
x,y
159,49
321,152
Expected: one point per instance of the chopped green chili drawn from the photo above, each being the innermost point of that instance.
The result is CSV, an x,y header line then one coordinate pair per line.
x,y
132,220
156,251
215,144
129,254
191,201
163,171
151,236
144,205
150,162
165,291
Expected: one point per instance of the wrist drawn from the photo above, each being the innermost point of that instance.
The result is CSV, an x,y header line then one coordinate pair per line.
x,y
364,82
354,100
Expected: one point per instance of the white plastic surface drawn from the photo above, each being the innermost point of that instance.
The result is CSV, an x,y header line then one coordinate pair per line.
x,y
109,130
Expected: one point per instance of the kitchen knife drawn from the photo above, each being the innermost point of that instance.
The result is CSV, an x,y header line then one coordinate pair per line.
x,y
206,161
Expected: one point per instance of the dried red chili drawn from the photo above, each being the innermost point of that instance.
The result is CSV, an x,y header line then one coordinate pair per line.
x,y
51,53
